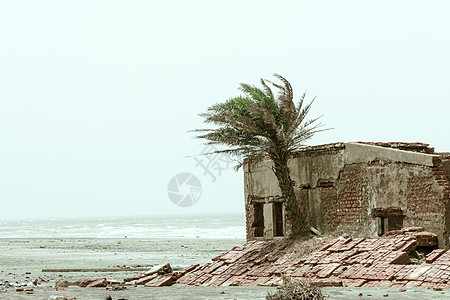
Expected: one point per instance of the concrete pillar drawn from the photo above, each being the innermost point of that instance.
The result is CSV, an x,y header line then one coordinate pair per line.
x,y
268,220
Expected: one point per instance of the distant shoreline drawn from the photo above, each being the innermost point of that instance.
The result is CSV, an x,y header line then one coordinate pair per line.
x,y
223,226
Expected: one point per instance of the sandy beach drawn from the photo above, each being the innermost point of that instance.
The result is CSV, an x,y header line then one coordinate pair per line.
x,y
24,260
19,256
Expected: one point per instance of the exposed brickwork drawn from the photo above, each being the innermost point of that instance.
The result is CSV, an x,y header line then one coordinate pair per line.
x,y
338,194
441,178
348,205
441,173
320,150
425,204
326,214
363,188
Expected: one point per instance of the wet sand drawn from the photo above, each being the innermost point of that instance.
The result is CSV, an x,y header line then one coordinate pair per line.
x,y
19,256
177,292
23,260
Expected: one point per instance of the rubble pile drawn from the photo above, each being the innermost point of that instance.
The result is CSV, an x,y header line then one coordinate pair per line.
x,y
157,276
368,262
402,258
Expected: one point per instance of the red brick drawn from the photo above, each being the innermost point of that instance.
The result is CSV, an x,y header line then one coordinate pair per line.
x,y
134,277
426,239
436,160
401,258
419,271
410,246
337,246
435,254
353,282
165,280
260,281
216,280
102,282
323,282
327,270
146,279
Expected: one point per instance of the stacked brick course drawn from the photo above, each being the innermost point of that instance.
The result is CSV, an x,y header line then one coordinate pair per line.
x,y
439,175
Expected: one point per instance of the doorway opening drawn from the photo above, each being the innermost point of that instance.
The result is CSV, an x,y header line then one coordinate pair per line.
x,y
258,220
278,219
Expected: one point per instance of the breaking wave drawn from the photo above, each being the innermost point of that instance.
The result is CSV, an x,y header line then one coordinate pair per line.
x,y
223,226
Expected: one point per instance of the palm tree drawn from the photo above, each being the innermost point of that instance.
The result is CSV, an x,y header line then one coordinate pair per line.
x,y
259,126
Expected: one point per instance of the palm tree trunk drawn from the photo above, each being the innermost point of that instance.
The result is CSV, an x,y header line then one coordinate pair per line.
x,y
292,205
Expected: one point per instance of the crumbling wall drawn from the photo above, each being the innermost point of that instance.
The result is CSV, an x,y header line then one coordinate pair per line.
x,y
441,173
309,170
260,187
382,185
315,174
340,186
446,166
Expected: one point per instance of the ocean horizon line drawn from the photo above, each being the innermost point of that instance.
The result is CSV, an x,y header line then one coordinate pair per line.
x,y
205,226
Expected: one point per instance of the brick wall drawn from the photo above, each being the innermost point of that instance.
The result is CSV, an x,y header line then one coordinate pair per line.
x,y
363,187
339,197
348,207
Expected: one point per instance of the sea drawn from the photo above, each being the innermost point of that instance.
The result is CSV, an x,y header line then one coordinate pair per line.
x,y
201,226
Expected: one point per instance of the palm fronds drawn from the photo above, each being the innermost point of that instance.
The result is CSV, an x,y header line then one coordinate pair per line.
x,y
257,124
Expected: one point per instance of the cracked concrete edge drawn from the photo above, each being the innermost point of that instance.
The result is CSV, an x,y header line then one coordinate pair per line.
x,y
355,153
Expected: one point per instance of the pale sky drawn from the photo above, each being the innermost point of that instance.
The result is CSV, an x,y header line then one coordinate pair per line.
x,y
96,97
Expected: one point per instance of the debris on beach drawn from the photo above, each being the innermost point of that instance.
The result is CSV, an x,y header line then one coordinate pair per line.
x,y
358,262
157,276
102,282
40,280
61,298
24,286
401,259
296,290
61,284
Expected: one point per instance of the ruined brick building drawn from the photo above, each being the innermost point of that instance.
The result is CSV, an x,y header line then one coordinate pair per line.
x,y
357,189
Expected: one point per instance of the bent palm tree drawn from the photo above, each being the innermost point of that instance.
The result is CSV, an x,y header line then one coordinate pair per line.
x,y
259,125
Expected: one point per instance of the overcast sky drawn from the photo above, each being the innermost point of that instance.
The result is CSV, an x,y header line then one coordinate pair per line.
x,y
96,97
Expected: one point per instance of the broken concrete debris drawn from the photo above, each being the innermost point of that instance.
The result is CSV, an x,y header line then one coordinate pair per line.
x,y
315,231
157,276
161,269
